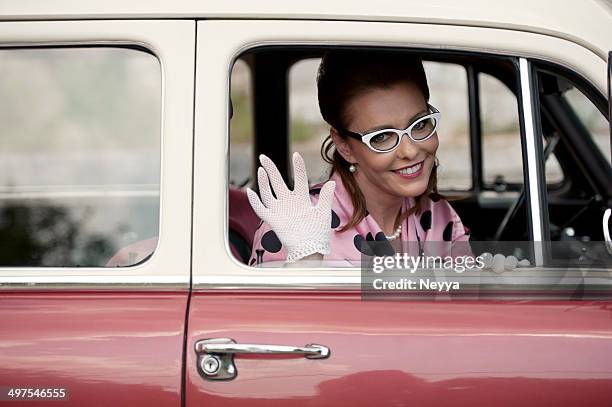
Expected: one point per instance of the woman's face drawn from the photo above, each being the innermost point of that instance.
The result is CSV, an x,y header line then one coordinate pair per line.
x,y
403,172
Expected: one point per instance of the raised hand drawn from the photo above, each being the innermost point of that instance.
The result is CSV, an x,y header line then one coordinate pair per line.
x,y
303,228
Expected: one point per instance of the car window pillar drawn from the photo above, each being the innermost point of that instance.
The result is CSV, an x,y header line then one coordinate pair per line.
x,y
475,128
533,161
608,211
610,99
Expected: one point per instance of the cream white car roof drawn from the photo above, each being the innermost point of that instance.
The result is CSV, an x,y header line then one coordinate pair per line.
x,y
586,22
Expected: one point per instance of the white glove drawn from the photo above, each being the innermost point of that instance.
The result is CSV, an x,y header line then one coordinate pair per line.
x,y
500,263
302,228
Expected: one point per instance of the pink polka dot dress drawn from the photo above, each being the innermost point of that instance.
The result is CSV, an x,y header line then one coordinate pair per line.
x,y
436,222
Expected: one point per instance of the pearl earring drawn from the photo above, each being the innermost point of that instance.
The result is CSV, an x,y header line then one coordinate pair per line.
x,y
352,168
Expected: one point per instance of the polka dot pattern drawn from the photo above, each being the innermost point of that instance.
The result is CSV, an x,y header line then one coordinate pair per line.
x,y
362,245
382,246
436,222
335,220
426,220
448,232
270,242
373,246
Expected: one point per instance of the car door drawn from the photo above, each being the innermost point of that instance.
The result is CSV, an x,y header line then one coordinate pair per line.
x,y
95,216
299,336
608,212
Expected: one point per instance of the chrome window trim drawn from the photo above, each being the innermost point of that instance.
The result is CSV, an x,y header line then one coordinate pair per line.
x,y
97,283
534,177
145,47
352,284
292,282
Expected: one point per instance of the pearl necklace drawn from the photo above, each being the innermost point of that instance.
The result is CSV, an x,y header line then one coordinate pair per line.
x,y
396,234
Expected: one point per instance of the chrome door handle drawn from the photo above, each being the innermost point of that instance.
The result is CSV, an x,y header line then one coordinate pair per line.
x,y
216,356
312,351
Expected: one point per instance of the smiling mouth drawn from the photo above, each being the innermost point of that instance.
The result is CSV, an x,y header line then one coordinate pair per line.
x,y
411,171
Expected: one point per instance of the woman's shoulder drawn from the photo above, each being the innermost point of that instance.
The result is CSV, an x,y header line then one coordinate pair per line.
x,y
436,202
439,207
438,215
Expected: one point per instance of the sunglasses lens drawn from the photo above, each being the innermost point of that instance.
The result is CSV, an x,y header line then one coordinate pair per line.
x,y
423,128
384,141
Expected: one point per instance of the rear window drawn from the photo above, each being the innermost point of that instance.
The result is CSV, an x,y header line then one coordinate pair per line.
x,y
79,154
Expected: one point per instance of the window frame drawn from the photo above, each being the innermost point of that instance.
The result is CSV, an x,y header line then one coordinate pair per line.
x,y
598,100
225,272
172,43
581,84
478,138
42,195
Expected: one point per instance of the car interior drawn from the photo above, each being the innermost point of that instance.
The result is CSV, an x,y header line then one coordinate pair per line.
x,y
494,211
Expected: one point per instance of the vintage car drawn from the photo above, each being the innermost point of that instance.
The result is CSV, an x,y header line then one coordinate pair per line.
x,y
130,131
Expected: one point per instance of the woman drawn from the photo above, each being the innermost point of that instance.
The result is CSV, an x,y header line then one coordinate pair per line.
x,y
382,188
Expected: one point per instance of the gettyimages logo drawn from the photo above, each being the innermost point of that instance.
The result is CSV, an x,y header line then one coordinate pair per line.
x,y
412,263
572,269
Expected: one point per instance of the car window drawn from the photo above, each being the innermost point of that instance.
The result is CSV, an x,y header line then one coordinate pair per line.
x,y
241,131
501,144
449,93
256,128
307,130
79,154
591,118
579,131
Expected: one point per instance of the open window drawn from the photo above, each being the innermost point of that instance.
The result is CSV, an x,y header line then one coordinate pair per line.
x,y
474,92
576,130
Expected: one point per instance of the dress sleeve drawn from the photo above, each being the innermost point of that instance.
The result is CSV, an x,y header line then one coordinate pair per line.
x,y
460,235
442,224
461,246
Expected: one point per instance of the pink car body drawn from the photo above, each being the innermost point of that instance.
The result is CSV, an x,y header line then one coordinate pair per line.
x,y
127,334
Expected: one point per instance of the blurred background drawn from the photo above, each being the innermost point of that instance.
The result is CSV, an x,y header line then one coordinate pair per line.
x,y
80,132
